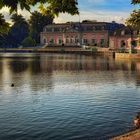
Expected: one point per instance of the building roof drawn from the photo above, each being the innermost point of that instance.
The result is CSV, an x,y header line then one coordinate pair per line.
x,y
83,26
125,31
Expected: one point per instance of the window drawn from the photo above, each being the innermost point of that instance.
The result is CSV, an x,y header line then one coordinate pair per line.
x,y
67,40
51,41
123,32
122,43
85,41
134,43
76,40
52,29
102,42
59,41
93,41
98,27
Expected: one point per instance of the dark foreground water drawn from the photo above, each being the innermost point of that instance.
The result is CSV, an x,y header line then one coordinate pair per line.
x,y
67,97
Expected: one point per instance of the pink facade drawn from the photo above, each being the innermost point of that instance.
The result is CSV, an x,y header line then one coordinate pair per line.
x,y
75,34
124,38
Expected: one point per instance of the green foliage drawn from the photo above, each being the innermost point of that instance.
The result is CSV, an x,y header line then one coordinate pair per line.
x,y
4,26
60,6
134,19
46,6
28,42
135,1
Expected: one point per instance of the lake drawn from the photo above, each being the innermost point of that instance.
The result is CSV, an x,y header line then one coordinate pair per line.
x,y
67,97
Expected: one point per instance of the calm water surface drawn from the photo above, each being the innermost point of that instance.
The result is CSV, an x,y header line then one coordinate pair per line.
x,y
67,97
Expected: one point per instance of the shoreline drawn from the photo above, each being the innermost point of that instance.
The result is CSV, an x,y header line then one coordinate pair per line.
x,y
62,50
132,135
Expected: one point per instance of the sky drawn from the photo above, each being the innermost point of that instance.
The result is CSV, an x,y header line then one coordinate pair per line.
x,y
100,10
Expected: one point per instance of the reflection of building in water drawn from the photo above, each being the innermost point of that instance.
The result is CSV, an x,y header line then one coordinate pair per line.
x,y
39,74
76,63
137,73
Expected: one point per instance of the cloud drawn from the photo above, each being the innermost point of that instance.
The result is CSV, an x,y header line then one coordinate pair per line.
x,y
103,16
5,12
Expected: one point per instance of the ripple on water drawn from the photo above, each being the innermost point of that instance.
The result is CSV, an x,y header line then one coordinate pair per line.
x,y
67,97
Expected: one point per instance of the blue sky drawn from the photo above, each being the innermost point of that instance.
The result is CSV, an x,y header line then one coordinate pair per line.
x,y
112,5
101,10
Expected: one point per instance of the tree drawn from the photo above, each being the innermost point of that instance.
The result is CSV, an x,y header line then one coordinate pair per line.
x,y
37,22
135,1
19,30
4,26
46,6
134,19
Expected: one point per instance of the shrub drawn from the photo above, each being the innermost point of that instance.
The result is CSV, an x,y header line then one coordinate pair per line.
x,y
28,42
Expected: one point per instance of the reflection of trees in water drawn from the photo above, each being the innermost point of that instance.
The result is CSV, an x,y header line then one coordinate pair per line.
x,y
34,66
1,71
18,66
38,72
1,67
133,66
40,79
74,63
27,72
138,79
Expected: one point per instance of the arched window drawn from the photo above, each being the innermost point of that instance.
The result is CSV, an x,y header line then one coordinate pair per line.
x,y
122,44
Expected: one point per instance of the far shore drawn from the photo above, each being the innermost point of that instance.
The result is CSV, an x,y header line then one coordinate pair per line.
x,y
65,50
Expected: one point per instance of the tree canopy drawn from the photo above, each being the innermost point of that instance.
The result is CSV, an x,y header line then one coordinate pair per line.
x,y
4,26
37,22
135,1
46,6
18,31
134,19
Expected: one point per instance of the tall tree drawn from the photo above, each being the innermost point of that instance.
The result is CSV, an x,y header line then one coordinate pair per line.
x,y
4,26
19,30
51,6
37,22
134,19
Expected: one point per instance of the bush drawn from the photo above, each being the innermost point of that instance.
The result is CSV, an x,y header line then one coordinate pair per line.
x,y
28,42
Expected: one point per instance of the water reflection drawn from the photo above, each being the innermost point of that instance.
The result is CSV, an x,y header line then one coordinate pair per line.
x,y
74,94
46,65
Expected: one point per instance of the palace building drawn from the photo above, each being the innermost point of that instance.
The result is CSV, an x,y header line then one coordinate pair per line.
x,y
90,33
